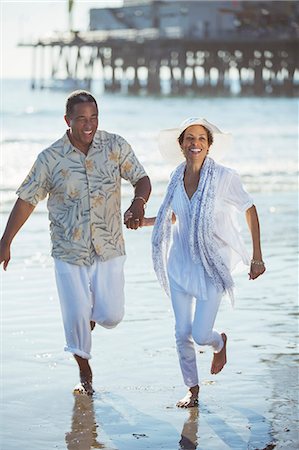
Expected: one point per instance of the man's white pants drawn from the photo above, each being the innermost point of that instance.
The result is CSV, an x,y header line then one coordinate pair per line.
x,y
89,293
194,321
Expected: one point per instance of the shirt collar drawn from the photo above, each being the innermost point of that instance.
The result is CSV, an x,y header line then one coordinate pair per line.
x,y
68,147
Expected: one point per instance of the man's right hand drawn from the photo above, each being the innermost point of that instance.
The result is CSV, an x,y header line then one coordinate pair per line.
x,y
18,216
4,254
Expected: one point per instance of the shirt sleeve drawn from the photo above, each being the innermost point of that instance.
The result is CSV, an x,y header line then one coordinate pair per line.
x,y
236,194
35,187
130,167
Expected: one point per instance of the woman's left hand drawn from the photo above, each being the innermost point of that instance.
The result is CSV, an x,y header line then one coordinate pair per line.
x,y
257,268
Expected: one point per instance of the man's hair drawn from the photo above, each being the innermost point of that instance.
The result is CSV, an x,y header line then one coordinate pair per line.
x,y
210,136
76,97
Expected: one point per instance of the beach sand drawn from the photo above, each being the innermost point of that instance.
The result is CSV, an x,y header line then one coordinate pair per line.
x,y
251,404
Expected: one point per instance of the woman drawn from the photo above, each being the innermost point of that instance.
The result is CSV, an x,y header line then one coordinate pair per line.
x,y
195,266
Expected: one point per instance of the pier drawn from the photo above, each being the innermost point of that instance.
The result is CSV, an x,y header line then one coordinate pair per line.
x,y
153,57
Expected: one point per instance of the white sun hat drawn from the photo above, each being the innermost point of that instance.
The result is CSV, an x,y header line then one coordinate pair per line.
x,y
170,148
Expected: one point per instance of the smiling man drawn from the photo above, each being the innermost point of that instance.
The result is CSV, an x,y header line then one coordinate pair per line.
x,y
81,175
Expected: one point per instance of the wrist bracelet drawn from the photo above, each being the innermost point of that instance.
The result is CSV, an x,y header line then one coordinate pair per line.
x,y
257,263
140,198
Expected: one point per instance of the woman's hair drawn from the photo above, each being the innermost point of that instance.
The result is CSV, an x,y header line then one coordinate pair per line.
x,y
210,136
78,97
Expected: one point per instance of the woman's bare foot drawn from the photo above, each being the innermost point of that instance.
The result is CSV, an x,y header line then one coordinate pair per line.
x,y
219,359
191,398
85,385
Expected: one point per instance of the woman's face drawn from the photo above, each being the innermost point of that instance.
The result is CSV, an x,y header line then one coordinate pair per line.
x,y
195,144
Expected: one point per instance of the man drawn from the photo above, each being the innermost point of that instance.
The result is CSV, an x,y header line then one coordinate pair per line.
x,y
81,174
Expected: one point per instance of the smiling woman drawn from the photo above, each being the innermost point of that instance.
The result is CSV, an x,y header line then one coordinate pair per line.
x,y
195,142
170,140
194,267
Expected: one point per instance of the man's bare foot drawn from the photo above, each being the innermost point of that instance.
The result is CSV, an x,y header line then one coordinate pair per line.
x,y
85,385
92,325
84,388
191,398
219,359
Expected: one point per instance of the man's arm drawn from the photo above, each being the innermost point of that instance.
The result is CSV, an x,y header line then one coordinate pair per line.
x,y
18,216
142,192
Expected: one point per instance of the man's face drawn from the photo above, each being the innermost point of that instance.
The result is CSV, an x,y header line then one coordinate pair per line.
x,y
83,123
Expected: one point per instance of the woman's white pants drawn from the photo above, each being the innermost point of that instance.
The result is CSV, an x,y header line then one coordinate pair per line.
x,y
194,322
89,293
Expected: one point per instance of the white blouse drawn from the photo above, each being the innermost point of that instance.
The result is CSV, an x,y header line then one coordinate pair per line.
x,y
230,198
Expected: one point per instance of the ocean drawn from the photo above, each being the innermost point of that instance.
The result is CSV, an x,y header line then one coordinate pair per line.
x,y
253,402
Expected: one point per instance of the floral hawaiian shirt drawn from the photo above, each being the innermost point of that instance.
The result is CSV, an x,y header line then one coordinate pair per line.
x,y
84,195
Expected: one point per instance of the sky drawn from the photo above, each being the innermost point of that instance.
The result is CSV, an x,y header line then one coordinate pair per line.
x,y
26,20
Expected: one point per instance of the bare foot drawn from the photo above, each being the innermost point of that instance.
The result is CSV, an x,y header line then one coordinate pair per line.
x,y
92,325
191,398
83,388
85,385
219,359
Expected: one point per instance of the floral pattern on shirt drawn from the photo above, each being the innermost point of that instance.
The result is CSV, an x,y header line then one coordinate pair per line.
x,y
84,195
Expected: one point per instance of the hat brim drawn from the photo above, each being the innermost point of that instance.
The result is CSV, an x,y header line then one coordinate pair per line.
x,y
171,152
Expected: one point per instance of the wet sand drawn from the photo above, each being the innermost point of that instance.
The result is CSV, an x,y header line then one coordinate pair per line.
x,y
252,404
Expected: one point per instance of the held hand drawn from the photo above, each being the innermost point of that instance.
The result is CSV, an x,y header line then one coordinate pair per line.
x,y
146,221
128,215
257,268
133,217
4,254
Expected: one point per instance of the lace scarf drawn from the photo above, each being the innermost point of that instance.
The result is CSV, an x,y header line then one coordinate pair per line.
x,y
202,243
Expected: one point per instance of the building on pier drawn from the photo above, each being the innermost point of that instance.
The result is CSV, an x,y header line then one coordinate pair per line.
x,y
178,47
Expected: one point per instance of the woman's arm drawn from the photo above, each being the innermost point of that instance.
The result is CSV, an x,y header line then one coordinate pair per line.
x,y
257,266
147,221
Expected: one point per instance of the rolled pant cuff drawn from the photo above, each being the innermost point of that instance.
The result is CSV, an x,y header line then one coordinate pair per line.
x,y
77,352
190,384
220,347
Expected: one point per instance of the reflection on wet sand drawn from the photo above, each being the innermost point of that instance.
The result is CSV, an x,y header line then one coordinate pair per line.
x,y
189,434
84,428
83,435
128,428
